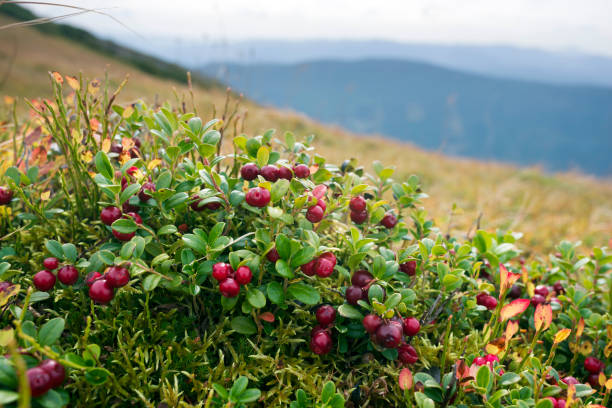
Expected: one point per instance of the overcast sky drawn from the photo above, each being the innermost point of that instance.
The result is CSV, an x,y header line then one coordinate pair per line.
x,y
575,25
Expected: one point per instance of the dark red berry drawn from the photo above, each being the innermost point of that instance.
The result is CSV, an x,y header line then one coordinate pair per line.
x,y
490,302
324,267
270,173
359,217
537,300
326,315
411,326
51,264
135,153
409,268
284,173
137,142
116,148
321,203
593,380
229,288
44,280
389,221
56,372
123,236
195,203
541,290
183,227
6,195
558,287
221,271
134,216
515,292
127,207
213,205
92,277
68,275
249,171
258,197
5,285
244,275
321,343
354,294
371,323
361,278
146,188
273,255
40,381
357,204
110,214
316,329
329,256
314,214
101,292
301,171
117,276
309,268
389,335
407,354
593,365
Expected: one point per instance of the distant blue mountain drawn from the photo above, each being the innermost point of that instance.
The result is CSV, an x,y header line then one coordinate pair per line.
x,y
560,127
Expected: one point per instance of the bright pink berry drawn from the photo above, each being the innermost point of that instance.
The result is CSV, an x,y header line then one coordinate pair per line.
x,y
6,195
270,173
407,354
101,292
314,214
389,335
357,204
229,288
284,173
371,323
409,268
56,372
110,214
44,280
321,343
361,278
359,217
479,361
321,203
68,275
411,326
301,171
244,275
249,171
326,315
51,264
258,197
221,271
553,400
117,276
389,221
40,381
132,170
491,358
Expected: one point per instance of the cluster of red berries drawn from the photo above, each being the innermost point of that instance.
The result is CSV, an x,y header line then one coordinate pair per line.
x,y
489,359
45,279
134,151
316,211
48,374
361,281
359,212
594,366
557,403
102,287
323,266
486,300
272,173
6,195
110,214
541,293
320,337
230,281
390,334
196,204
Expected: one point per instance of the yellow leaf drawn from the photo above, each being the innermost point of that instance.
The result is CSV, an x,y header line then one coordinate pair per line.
x,y
580,328
8,293
45,196
9,100
94,87
153,164
6,336
511,329
542,317
602,378
73,82
507,279
127,112
562,335
514,308
496,346
530,289
106,144
127,143
609,384
57,77
571,391
405,379
86,157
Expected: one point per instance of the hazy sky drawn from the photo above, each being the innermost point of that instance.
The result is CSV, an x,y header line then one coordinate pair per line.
x,y
583,25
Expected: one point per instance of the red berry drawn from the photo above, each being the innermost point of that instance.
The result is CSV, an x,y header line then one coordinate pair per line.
x,y
371,323
143,195
249,171
110,214
270,173
309,268
273,255
409,268
491,358
558,287
44,280
132,170
389,335
321,203
40,381
326,315
221,271
541,290
301,171
229,288
316,329
213,205
321,343
389,221
570,380
357,204
515,292
284,173
407,354
329,256
123,236
127,207
593,365
51,264
137,142
92,277
116,148
361,278
101,292
244,275
560,403
183,227
593,380
314,214
68,275
5,285
6,195
553,400
354,294
479,361
411,326
537,299
56,372
490,302
258,197
117,277
195,203
359,217
324,267
134,216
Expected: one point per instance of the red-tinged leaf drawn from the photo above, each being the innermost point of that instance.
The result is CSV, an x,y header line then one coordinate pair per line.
x,y
580,328
57,77
496,346
511,329
405,379
267,317
542,317
319,191
562,335
514,308
73,82
507,279
462,370
127,143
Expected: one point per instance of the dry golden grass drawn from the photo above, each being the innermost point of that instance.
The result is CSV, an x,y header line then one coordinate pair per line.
x,y
547,208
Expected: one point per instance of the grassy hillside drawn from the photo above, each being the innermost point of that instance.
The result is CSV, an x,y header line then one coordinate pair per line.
x,y
546,208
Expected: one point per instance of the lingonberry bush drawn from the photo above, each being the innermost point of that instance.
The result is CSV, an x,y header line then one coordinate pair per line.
x,y
149,256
